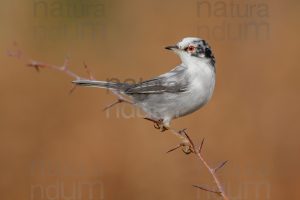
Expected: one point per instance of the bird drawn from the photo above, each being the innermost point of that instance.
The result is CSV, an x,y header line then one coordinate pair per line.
x,y
177,93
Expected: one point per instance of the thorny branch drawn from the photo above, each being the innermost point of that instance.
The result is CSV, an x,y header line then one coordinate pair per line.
x,y
187,144
191,148
37,65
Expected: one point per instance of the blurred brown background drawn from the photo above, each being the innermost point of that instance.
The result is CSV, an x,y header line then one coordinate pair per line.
x,y
59,146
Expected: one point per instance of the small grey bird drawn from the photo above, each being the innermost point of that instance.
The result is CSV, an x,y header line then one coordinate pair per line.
x,y
177,93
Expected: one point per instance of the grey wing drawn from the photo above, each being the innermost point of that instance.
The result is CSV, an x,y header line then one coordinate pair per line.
x,y
172,82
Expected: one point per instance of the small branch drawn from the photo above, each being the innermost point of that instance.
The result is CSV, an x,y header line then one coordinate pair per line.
x,y
64,68
17,53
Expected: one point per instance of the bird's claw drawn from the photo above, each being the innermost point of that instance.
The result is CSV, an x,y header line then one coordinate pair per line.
x,y
160,127
158,124
186,148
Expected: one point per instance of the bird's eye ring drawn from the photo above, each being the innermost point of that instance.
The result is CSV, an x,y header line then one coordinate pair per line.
x,y
191,48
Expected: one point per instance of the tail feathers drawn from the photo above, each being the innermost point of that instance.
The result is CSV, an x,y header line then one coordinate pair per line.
x,y
101,84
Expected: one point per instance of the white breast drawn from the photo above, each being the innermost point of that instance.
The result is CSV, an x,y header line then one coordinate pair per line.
x,y
202,77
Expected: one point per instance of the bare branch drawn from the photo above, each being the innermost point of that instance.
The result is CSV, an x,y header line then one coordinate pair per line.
x,y
212,171
37,65
64,68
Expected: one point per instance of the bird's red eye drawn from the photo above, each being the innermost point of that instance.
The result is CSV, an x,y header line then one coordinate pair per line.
x,y
191,48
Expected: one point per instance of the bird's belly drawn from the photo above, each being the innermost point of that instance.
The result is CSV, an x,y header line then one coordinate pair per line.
x,y
192,101
201,90
174,105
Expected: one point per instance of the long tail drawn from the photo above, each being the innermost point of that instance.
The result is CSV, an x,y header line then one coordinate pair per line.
x,y
101,84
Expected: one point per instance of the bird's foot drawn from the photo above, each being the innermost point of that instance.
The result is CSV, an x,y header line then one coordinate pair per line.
x,y
186,148
158,124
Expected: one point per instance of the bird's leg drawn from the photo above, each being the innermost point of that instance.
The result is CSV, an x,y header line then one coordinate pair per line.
x,y
158,124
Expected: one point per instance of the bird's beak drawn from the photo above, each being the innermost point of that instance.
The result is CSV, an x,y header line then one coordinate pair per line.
x,y
173,47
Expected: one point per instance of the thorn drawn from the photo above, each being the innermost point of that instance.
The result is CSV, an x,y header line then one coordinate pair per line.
x,y
88,71
65,65
201,145
183,132
113,104
220,166
36,65
175,148
37,68
207,190
192,146
73,89
121,99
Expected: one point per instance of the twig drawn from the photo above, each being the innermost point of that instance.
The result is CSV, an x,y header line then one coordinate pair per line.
x,y
64,68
